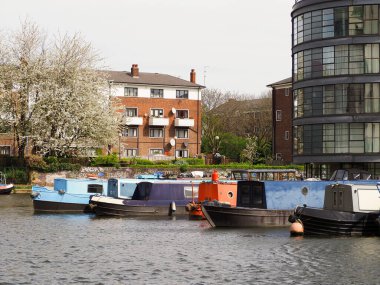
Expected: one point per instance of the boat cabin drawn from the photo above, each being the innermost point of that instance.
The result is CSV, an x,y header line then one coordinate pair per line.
x,y
352,198
251,194
165,191
224,192
264,174
122,188
80,186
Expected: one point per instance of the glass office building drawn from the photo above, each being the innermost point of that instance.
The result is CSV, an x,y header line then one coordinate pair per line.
x,y
336,85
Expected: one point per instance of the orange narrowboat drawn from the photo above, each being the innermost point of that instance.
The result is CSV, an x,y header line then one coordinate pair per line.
x,y
222,191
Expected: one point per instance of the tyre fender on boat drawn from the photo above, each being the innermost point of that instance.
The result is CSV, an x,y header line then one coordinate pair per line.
x,y
172,208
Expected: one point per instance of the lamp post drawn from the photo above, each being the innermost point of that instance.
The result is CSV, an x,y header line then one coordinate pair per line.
x,y
175,148
120,134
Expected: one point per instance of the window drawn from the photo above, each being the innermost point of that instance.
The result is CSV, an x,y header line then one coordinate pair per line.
x,y
278,115
156,93
131,112
278,156
156,133
286,136
130,92
5,150
95,188
181,153
154,151
287,91
355,19
182,133
157,113
130,152
182,114
130,132
184,94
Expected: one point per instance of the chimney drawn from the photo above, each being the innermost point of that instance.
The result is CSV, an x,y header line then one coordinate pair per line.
x,y
192,76
135,71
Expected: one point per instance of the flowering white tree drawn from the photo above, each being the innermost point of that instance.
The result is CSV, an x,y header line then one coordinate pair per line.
x,y
54,94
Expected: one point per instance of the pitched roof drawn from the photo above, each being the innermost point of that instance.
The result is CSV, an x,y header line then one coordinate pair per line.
x,y
281,82
146,78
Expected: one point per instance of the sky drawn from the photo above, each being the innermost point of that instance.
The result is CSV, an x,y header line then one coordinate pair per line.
x,y
239,46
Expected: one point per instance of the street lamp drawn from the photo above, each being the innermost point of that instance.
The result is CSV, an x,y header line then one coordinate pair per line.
x,y
120,134
175,148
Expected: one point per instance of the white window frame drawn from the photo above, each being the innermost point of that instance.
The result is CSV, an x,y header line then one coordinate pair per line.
x,y
179,132
3,149
136,111
126,132
130,152
131,91
157,112
286,135
287,91
156,93
278,115
153,150
278,156
182,94
179,113
182,153
160,130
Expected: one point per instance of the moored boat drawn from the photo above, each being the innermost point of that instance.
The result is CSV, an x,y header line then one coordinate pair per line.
x,y
153,198
5,188
214,190
69,195
251,209
348,210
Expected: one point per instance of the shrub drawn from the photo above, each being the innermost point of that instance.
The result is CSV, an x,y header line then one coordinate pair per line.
x,y
184,167
106,160
16,175
143,161
194,161
36,162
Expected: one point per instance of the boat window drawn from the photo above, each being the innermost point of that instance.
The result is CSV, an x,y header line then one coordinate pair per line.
x,y
95,188
340,198
334,193
112,188
191,191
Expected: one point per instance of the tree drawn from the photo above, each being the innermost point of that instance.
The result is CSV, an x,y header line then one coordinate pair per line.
x,y
249,153
53,93
22,73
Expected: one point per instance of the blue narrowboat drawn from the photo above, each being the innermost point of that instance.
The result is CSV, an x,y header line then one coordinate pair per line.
x,y
69,195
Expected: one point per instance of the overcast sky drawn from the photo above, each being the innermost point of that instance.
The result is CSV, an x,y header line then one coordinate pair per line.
x,y
234,45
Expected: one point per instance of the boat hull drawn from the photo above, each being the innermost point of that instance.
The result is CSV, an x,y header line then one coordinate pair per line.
x,y
105,206
60,207
222,216
330,222
6,189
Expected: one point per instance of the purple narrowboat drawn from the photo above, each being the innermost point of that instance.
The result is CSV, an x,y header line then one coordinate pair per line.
x,y
154,198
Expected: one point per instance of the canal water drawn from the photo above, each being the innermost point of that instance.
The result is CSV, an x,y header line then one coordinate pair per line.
x,y
85,249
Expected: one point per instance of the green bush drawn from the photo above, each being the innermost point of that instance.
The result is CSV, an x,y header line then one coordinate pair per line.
x,y
194,161
106,160
184,167
142,161
36,162
16,175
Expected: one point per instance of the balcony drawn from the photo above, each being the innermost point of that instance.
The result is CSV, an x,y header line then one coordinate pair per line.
x,y
134,121
184,122
158,121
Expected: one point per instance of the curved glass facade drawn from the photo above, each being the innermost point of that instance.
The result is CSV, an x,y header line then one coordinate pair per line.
x,y
336,83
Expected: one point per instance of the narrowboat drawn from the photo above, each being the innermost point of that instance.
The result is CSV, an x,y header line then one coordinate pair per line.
x,y
250,211
5,189
153,198
214,190
68,195
348,210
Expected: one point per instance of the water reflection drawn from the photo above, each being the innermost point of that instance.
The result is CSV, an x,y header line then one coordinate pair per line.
x,y
81,248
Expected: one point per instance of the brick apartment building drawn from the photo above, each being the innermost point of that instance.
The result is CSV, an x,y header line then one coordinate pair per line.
x,y
162,113
282,116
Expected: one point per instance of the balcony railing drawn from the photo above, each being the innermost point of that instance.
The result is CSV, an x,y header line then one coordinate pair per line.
x,y
184,122
158,121
134,121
